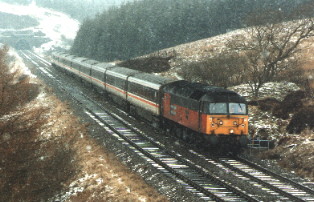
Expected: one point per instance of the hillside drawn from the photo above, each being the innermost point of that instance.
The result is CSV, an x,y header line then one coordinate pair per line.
x,y
291,151
168,62
141,27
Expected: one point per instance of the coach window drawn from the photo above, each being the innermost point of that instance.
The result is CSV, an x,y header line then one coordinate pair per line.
x,y
110,80
74,65
97,74
135,88
121,83
80,67
85,69
146,92
150,94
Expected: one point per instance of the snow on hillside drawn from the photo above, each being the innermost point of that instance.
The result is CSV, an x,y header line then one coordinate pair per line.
x,y
17,63
57,26
276,90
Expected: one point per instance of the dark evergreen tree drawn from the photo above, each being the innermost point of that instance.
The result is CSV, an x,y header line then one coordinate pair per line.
x,y
141,27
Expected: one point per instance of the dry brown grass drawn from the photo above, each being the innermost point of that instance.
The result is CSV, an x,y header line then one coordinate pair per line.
x,y
98,173
308,61
32,168
295,153
110,181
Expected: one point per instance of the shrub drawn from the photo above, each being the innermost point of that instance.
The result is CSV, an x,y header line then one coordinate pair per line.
x,y
15,88
301,120
291,103
225,70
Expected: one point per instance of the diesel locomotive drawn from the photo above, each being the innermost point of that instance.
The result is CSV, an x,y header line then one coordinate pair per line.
x,y
194,112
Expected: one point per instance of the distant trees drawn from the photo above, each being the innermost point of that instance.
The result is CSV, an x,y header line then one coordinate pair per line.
x,y
141,27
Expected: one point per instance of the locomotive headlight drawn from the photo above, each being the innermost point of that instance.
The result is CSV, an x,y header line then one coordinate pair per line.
x,y
235,123
220,122
231,131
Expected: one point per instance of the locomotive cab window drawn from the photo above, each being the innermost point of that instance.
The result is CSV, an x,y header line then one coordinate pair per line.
x,y
237,108
224,108
216,108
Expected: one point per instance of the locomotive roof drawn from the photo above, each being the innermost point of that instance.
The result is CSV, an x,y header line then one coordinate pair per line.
x,y
68,57
64,55
151,78
203,92
122,71
90,61
77,59
59,54
104,65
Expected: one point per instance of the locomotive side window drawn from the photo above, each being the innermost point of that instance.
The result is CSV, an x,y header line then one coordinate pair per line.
x,y
185,102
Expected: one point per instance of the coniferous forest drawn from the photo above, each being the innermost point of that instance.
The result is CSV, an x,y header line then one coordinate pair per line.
x,y
141,27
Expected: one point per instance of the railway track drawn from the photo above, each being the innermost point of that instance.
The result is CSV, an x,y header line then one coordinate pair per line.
x,y
276,186
195,178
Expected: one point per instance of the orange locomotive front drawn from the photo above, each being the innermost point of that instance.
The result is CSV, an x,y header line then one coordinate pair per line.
x,y
206,112
227,120
220,124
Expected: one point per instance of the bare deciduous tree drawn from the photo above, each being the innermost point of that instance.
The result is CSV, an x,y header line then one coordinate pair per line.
x,y
270,48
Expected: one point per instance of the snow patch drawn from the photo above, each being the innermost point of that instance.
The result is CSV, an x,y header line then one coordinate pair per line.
x,y
18,64
55,25
276,90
